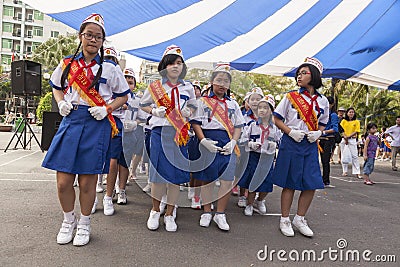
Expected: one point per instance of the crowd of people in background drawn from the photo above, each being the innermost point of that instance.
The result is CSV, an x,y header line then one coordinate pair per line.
x,y
200,139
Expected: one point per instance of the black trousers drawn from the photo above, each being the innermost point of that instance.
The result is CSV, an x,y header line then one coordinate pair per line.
x,y
327,147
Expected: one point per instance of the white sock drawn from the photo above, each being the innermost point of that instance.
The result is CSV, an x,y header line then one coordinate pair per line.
x,y
107,197
69,216
84,219
285,219
298,217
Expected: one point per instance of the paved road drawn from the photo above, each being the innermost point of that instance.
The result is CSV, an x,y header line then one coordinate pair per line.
x,y
366,217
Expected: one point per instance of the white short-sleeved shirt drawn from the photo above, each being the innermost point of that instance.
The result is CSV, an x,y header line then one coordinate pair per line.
x,y
287,113
112,82
252,132
395,132
249,116
203,113
134,112
186,98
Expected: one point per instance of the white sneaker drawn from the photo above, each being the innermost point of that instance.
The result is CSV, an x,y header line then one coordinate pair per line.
x,y
154,220
170,224
248,211
217,183
259,206
108,207
66,231
147,188
142,168
163,204
122,198
190,193
96,201
205,219
99,188
242,202
286,228
181,188
127,182
196,203
76,182
174,211
105,181
302,226
220,220
82,235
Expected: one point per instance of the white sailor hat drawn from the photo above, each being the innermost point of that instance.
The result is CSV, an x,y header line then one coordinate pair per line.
x,y
222,67
96,19
196,83
173,50
110,52
269,99
256,90
247,96
315,62
129,72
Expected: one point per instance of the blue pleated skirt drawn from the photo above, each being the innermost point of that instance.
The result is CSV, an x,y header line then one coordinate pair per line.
x,y
81,144
133,143
215,165
257,176
297,165
116,148
169,163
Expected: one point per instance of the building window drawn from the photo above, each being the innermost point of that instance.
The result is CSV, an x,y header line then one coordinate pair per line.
x,y
7,43
17,47
38,31
38,15
8,11
29,17
28,49
7,27
35,45
54,34
6,59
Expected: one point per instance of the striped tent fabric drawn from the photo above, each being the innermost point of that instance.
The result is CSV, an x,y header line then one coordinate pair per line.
x,y
356,40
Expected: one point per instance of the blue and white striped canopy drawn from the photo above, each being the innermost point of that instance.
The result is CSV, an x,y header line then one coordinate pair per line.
x,y
357,40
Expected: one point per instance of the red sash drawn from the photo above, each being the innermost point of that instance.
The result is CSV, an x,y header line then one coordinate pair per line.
x,y
173,114
305,110
80,83
222,116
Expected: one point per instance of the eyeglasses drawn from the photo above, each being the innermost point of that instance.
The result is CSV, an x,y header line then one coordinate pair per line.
x,y
89,36
303,73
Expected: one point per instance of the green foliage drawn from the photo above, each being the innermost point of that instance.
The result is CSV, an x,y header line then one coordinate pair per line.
x,y
51,52
140,87
44,105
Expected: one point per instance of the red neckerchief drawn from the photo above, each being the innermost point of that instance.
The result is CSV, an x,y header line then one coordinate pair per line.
x,y
174,93
89,73
313,100
217,103
264,132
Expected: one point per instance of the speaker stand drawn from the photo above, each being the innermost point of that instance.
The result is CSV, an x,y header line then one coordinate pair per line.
x,y
21,135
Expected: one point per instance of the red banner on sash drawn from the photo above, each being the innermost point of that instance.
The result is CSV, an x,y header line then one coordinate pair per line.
x,y
305,110
80,83
173,113
222,116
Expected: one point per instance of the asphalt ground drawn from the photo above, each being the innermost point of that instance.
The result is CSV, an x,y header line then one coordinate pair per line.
x,y
348,220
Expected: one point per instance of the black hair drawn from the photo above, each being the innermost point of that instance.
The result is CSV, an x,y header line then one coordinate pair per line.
x,y
316,80
371,125
134,79
331,100
65,73
398,117
346,117
112,58
168,60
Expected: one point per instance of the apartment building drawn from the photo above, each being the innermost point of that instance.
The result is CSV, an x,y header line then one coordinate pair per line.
x,y
23,29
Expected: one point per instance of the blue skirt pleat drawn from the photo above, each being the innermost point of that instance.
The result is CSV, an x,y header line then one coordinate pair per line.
x,y
81,144
169,163
297,165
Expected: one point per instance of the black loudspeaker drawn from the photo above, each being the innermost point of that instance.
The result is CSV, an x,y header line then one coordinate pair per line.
x,y
51,122
26,78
